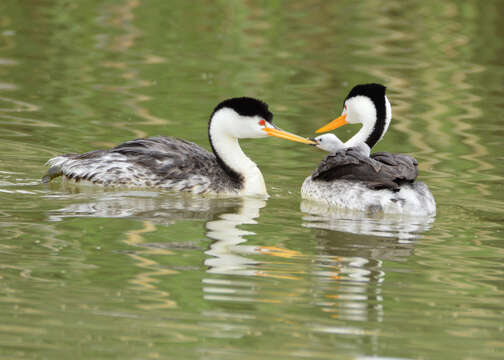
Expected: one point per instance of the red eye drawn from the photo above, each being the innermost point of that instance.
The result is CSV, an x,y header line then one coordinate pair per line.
x,y
262,122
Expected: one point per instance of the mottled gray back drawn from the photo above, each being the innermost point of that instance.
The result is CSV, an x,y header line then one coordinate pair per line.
x,y
159,161
380,171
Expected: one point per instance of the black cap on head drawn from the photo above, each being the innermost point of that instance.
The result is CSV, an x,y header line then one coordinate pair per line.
x,y
246,106
376,92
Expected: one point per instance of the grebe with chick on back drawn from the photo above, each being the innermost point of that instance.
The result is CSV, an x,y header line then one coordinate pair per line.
x,y
350,177
176,164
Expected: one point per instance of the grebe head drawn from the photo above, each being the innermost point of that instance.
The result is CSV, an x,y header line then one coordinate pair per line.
x,y
366,104
328,142
241,118
248,118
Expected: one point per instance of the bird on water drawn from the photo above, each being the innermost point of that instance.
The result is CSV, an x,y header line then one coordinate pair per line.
x,y
175,164
353,178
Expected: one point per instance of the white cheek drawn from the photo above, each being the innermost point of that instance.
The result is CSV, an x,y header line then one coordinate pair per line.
x,y
351,116
322,147
361,108
252,130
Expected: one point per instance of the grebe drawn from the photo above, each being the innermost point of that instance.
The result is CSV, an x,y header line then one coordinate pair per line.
x,y
176,164
352,178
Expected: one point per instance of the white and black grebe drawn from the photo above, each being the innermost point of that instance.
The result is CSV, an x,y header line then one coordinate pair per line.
x,y
175,164
352,178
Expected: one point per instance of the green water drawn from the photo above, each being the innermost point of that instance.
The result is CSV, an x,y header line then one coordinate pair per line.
x,y
93,274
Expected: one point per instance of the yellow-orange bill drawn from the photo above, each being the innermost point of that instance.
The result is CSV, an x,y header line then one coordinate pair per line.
x,y
336,123
288,136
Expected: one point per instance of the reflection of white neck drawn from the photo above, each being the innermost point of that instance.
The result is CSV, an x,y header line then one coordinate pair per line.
x,y
228,149
225,250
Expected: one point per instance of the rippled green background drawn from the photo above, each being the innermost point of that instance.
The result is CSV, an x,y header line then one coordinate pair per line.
x,y
89,274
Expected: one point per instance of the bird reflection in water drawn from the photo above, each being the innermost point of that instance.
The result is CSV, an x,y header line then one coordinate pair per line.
x,y
223,216
154,206
228,237
343,278
403,227
226,255
353,247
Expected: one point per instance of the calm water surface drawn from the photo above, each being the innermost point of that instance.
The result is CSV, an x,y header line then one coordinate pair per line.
x,y
93,274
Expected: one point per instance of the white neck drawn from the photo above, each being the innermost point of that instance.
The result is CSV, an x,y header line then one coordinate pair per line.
x,y
359,139
368,117
229,150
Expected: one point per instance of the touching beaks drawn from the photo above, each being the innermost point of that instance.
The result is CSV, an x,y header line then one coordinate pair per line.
x,y
336,123
279,133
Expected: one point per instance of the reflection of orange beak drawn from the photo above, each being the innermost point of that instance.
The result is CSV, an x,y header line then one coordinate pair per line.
x,y
336,123
286,135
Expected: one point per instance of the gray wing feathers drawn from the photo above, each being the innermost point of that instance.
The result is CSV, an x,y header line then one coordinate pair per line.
x,y
168,157
403,167
158,161
380,171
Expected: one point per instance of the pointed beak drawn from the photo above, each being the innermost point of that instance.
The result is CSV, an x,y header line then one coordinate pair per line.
x,y
336,123
279,133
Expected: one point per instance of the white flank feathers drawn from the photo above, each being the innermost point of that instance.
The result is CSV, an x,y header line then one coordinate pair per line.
x,y
411,199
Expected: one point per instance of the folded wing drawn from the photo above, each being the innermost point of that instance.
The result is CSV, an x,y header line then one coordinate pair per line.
x,y
157,161
380,171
